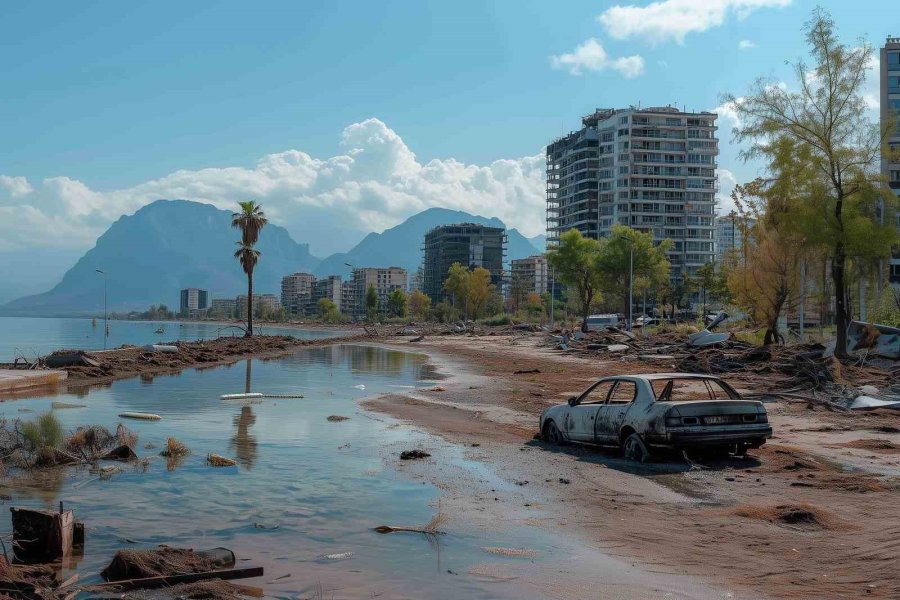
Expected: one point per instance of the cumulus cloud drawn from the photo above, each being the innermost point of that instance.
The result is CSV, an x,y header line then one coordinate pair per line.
x,y
667,20
727,181
591,56
374,183
746,45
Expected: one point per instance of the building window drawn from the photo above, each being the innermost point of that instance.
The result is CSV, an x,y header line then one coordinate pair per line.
x,y
893,59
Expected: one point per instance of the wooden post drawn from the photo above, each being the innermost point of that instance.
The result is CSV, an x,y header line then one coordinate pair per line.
x,y
41,536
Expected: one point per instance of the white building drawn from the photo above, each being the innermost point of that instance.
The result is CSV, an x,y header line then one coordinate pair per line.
x,y
730,234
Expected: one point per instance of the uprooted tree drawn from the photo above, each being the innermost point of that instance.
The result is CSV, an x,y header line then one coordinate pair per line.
x,y
825,119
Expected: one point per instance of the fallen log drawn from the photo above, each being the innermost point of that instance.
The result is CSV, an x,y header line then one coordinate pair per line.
x,y
147,583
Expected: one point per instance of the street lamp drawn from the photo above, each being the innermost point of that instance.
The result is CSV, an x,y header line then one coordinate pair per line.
x,y
105,314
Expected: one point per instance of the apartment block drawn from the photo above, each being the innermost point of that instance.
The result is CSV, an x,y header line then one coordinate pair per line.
x,y
653,169
260,302
194,299
530,274
225,308
296,292
890,109
469,244
384,280
730,234
329,288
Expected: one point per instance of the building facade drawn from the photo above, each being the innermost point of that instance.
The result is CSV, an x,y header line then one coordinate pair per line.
x,y
730,234
890,109
261,302
652,169
296,292
194,299
329,288
384,280
225,308
470,245
528,275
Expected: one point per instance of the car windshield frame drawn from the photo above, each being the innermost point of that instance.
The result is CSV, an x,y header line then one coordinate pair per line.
x,y
665,394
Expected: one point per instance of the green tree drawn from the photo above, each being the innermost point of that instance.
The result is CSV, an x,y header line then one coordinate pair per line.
x,y
396,303
628,251
419,304
250,220
248,256
457,284
575,263
372,302
831,138
706,280
327,309
480,289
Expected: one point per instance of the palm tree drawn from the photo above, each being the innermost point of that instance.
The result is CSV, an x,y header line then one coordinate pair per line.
x,y
250,220
248,257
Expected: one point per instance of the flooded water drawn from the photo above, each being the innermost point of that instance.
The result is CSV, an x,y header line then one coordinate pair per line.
x,y
305,488
31,337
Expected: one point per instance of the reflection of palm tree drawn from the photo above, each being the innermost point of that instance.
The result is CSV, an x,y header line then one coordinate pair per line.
x,y
247,375
243,442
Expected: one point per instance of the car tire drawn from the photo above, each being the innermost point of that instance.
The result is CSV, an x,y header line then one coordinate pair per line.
x,y
633,448
552,434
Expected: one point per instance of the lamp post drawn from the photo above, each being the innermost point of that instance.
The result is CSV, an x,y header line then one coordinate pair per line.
x,y
630,315
105,314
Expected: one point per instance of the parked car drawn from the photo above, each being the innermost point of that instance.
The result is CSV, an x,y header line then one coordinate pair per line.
x,y
643,414
601,322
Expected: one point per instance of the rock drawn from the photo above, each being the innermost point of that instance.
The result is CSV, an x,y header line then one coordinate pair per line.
x,y
413,454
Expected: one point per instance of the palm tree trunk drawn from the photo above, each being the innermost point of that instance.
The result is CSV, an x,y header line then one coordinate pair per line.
x,y
250,304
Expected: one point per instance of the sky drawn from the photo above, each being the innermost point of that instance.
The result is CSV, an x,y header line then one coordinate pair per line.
x,y
344,118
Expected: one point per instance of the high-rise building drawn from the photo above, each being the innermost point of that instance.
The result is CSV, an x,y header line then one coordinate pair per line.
x,y
384,280
469,244
328,288
296,291
653,169
194,299
223,308
890,109
528,275
730,234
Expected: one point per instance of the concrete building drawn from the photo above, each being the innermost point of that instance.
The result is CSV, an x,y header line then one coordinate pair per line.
x,y
384,280
296,292
348,300
730,234
652,169
329,288
890,108
260,302
223,308
469,244
528,275
194,299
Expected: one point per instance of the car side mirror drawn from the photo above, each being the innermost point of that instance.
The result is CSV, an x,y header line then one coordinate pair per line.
x,y
573,400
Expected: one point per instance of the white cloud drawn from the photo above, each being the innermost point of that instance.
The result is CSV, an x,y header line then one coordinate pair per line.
x,y
728,115
673,19
591,56
727,181
375,183
746,45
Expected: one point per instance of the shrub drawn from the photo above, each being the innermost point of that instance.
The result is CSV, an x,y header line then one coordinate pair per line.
x,y
44,432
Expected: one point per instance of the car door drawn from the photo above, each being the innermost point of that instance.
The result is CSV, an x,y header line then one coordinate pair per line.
x,y
580,419
609,418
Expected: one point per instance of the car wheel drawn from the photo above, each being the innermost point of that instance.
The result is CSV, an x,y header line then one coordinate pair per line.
x,y
633,448
552,434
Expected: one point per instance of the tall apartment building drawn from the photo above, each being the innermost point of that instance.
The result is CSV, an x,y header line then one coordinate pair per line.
x,y
730,234
469,244
890,108
329,288
384,280
653,169
530,274
296,291
194,299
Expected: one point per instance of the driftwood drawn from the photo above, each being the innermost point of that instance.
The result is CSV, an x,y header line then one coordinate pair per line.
x,y
147,583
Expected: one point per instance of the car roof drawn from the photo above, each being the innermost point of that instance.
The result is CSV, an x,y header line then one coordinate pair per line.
x,y
656,376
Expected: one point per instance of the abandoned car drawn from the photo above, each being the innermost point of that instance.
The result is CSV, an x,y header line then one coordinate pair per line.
x,y
657,412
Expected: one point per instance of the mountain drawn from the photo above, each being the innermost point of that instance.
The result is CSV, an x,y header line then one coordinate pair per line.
x,y
401,246
539,241
164,247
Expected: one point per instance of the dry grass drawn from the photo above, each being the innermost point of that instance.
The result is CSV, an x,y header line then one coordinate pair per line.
x,y
174,449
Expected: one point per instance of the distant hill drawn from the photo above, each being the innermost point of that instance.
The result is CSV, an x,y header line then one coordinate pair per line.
x,y
401,246
164,247
539,241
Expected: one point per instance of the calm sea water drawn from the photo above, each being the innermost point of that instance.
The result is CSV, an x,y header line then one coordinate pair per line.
x,y
304,487
31,337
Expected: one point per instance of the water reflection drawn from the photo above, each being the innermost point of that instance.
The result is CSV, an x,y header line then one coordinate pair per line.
x,y
243,443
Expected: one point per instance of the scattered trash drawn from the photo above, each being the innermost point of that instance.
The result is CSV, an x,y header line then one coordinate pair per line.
x,y
617,348
123,453
880,340
69,358
140,415
413,454
241,396
870,403
214,460
337,418
41,536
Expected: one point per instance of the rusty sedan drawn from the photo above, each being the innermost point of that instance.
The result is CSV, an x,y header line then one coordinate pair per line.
x,y
643,414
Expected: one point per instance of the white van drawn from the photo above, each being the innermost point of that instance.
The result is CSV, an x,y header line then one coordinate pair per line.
x,y
601,322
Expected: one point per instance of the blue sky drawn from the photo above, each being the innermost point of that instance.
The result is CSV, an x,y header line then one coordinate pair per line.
x,y
105,104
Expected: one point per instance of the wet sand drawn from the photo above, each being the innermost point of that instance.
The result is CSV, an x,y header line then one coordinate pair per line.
x,y
813,514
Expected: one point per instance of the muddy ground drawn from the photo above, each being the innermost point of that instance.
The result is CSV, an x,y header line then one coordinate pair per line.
x,y
813,514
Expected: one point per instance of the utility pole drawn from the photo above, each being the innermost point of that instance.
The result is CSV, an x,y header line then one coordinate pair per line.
x,y
105,314
630,285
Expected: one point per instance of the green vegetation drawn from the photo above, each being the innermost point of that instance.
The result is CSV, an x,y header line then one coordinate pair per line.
x,y
250,220
419,305
396,303
44,432
575,261
372,302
